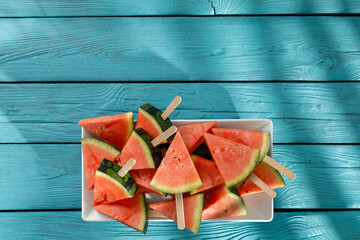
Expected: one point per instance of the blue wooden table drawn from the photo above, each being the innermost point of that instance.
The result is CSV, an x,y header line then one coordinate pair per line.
x,y
295,62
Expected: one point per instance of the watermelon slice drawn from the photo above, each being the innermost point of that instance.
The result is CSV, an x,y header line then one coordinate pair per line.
x,y
176,173
208,172
234,161
267,174
93,152
203,151
192,134
132,212
115,129
192,210
143,178
109,186
139,147
252,138
223,203
149,119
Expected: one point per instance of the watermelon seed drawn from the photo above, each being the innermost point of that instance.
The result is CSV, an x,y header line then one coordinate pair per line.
x,y
216,149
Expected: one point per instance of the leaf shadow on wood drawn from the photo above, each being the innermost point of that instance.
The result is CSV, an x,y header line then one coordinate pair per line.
x,y
311,33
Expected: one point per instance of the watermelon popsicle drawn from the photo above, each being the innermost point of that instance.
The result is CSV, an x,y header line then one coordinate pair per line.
x,y
177,174
235,161
255,139
113,183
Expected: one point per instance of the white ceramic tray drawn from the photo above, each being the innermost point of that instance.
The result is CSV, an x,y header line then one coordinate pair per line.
x,y
259,205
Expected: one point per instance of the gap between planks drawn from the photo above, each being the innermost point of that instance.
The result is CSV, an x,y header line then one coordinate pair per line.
x,y
197,16
180,81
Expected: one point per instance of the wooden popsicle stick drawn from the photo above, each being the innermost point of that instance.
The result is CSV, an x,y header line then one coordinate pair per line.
x,y
159,139
153,213
180,211
280,167
262,185
171,107
126,168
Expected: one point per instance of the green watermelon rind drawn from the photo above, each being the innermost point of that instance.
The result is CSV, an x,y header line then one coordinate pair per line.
x,y
280,182
141,137
181,189
153,114
153,154
131,124
246,172
106,147
111,169
198,213
144,224
100,174
240,201
265,147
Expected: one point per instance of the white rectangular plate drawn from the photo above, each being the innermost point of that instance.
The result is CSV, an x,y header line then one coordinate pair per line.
x,y
259,205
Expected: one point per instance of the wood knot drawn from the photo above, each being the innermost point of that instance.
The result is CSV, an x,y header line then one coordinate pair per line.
x,y
327,63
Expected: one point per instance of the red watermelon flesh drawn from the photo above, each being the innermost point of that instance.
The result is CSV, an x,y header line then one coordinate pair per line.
x,y
115,129
252,138
176,173
267,174
192,134
221,202
132,212
138,149
193,206
94,151
208,172
143,178
108,190
234,161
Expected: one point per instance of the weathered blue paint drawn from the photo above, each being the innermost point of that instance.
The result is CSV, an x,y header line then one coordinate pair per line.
x,y
301,112
46,49
180,48
286,225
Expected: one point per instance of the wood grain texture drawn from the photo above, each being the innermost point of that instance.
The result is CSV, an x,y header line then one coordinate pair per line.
x,y
286,225
50,176
301,112
56,8
180,48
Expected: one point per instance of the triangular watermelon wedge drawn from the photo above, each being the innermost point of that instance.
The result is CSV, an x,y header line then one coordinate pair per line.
x,y
109,186
143,178
192,134
269,175
149,118
221,202
94,151
139,147
234,161
208,172
251,138
176,173
115,129
132,212
193,206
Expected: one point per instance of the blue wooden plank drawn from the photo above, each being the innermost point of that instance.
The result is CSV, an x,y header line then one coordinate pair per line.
x,y
180,48
286,225
301,112
56,8
49,176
